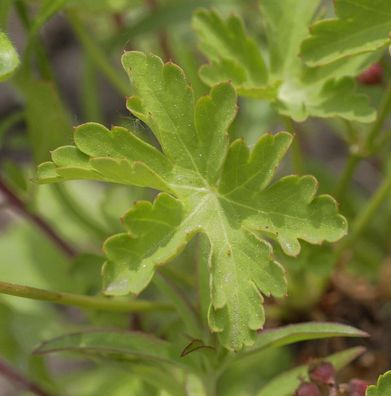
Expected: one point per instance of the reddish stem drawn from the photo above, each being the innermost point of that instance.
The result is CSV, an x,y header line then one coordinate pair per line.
x,y
15,377
18,205
162,36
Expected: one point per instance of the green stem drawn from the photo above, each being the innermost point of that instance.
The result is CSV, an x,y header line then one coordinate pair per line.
x,y
368,147
182,305
98,56
297,154
384,108
78,213
347,174
365,216
367,213
34,45
80,301
210,385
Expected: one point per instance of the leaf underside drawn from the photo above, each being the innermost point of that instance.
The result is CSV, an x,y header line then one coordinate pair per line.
x,y
286,82
208,186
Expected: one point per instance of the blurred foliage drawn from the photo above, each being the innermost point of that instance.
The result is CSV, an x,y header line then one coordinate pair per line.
x,y
59,66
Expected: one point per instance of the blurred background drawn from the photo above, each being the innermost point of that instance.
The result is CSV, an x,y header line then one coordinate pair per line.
x,y
70,74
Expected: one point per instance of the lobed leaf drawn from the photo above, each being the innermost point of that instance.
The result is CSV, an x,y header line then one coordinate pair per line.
x,y
234,55
210,187
294,89
360,26
383,386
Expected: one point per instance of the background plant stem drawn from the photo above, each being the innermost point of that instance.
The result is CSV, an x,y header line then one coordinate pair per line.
x,y
347,174
355,158
20,380
18,205
116,77
81,301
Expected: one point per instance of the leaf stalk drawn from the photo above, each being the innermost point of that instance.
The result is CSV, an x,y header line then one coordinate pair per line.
x,y
81,301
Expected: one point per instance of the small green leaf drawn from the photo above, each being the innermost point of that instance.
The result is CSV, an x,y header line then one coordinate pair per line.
x,y
360,26
210,186
295,90
118,345
286,383
9,59
383,386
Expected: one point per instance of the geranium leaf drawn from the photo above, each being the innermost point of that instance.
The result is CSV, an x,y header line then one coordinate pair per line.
x,y
210,187
383,386
233,54
284,34
295,90
360,26
9,59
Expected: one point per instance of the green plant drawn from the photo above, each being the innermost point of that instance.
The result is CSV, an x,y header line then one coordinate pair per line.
x,y
220,216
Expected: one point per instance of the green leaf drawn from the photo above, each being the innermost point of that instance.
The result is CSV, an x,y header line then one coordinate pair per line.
x,y
234,55
284,34
295,90
47,119
360,26
286,383
9,59
383,386
125,345
210,186
300,332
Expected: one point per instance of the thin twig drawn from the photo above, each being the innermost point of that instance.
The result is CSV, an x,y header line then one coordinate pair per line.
x,y
18,205
162,35
17,378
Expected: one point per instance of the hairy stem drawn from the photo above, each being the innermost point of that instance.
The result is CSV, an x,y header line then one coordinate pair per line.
x,y
81,301
20,380
18,205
